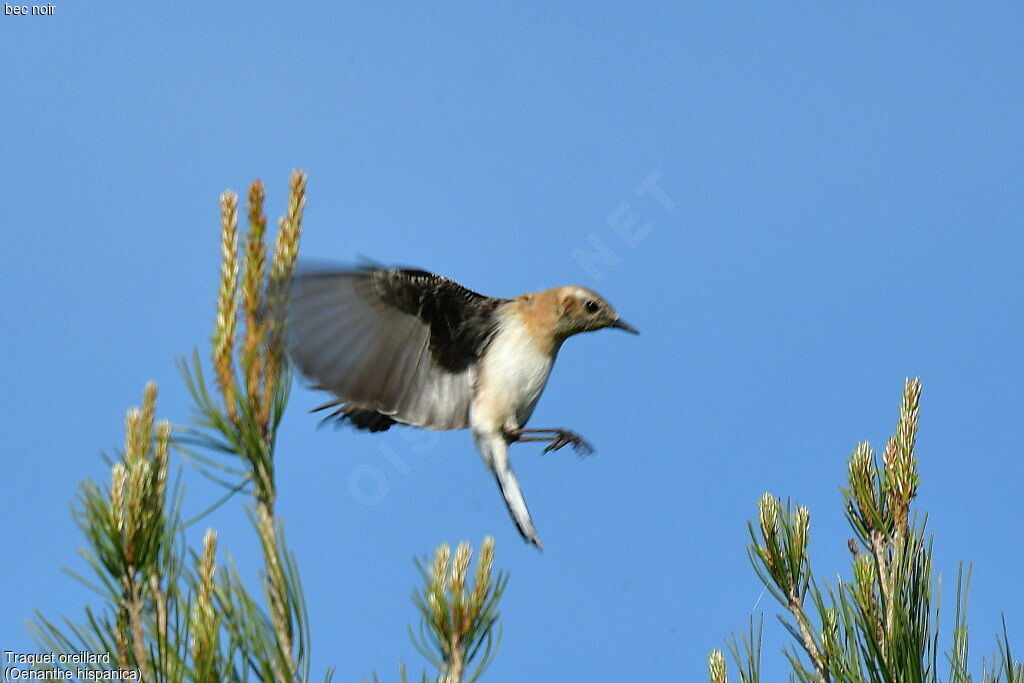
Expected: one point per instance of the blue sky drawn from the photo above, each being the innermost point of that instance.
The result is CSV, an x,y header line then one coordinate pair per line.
x,y
839,206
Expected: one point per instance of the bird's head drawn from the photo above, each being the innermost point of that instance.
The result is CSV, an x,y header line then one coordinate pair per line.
x,y
584,310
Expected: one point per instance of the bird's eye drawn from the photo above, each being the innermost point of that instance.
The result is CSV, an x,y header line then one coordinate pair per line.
x,y
591,306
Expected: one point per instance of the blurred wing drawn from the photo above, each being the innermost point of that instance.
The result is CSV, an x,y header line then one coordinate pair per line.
x,y
392,345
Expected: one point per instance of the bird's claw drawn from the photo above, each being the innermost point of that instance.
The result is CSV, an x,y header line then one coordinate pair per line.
x,y
556,438
566,438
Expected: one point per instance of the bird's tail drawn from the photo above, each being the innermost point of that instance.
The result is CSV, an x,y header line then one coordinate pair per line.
x,y
494,449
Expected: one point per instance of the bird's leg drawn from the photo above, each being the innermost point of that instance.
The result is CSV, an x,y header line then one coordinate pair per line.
x,y
557,438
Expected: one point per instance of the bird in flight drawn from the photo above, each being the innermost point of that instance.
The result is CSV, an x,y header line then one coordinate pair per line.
x,y
403,346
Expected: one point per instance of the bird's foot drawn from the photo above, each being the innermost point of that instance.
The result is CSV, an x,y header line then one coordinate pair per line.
x,y
556,438
564,437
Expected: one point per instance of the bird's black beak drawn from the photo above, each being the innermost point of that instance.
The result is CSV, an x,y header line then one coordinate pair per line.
x,y
623,325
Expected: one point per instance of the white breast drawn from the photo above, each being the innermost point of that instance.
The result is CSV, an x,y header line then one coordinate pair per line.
x,y
513,373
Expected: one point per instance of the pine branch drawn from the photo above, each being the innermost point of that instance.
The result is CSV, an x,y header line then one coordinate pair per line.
x,y
881,625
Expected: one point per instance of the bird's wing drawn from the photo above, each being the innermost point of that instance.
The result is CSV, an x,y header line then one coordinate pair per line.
x,y
401,343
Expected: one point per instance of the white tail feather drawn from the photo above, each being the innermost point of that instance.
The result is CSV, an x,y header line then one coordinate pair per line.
x,y
494,450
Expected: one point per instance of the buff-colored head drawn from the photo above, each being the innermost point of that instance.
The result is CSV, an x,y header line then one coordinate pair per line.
x,y
555,314
584,310
562,312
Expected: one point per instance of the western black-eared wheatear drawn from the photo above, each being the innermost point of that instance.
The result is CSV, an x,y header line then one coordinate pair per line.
x,y
410,347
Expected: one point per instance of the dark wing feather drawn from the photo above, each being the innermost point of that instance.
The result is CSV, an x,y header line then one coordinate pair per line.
x,y
392,345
